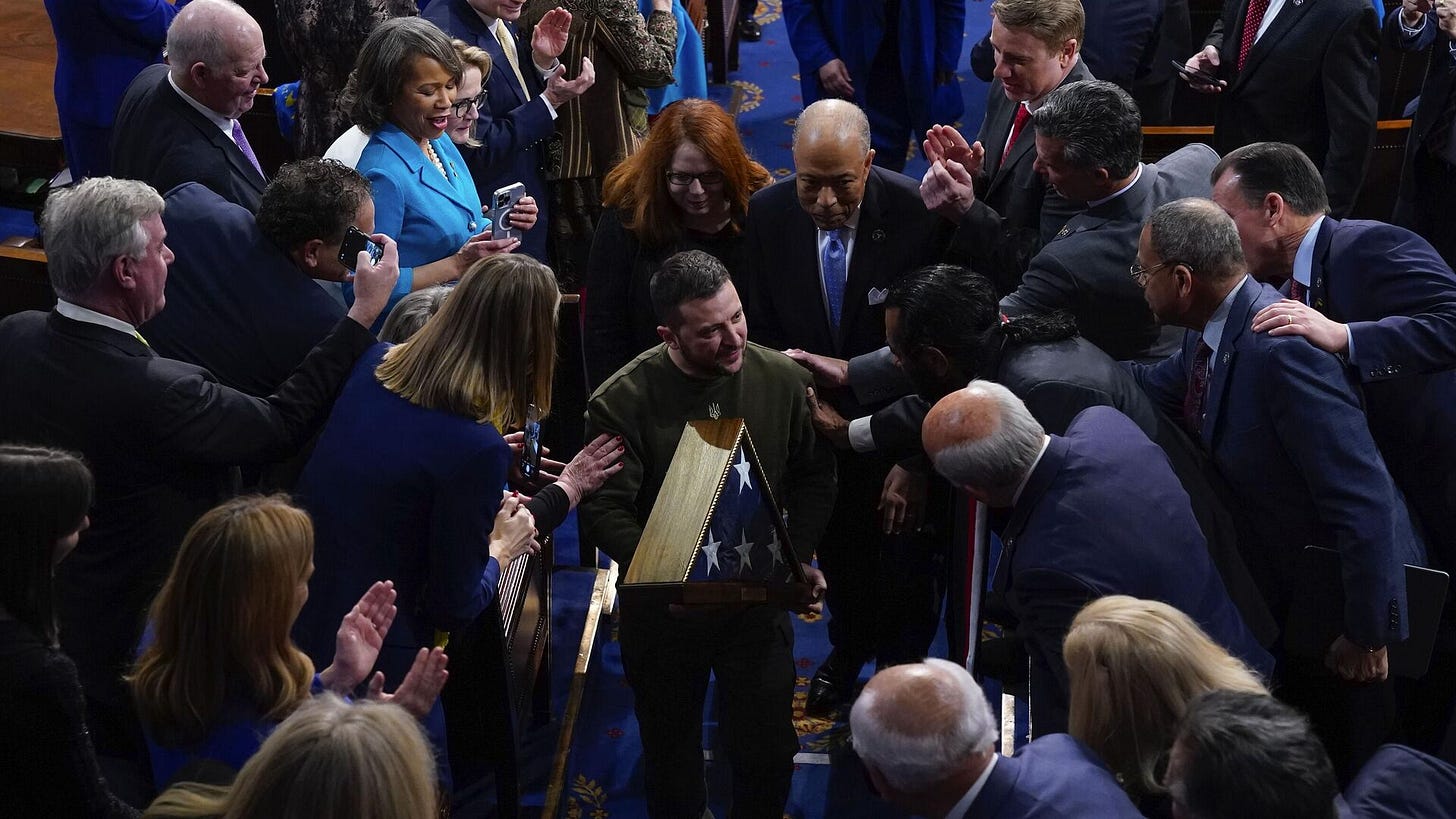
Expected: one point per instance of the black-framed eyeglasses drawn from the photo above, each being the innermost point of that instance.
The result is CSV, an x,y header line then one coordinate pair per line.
x,y
707,179
462,107
1141,274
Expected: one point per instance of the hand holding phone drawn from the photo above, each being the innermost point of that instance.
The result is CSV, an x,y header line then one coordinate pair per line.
x,y
502,201
355,241
531,453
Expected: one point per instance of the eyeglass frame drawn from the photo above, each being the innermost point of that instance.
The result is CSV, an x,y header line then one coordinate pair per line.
x,y
1143,275
478,101
695,177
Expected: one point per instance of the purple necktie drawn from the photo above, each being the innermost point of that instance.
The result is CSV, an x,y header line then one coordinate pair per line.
x,y
1197,391
242,140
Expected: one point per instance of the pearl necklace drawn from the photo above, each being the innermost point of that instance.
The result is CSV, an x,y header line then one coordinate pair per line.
x,y
435,159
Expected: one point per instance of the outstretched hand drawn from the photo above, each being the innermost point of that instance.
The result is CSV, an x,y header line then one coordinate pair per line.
x,y
360,636
421,686
829,373
597,461
942,142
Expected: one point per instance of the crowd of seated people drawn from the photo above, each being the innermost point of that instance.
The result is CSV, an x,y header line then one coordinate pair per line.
x,y
1157,385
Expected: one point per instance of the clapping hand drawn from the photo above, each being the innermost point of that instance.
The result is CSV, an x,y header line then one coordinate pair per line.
x,y
548,38
421,686
560,90
942,142
359,638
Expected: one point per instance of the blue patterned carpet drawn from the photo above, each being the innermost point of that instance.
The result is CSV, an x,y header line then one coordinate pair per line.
x,y
604,773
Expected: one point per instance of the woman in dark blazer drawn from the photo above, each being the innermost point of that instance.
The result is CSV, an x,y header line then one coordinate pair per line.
x,y
686,189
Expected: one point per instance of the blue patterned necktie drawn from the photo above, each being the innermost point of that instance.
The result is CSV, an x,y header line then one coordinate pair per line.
x,y
833,263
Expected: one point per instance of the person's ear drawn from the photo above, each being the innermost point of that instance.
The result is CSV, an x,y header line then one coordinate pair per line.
x,y
1274,207
309,253
1069,51
934,360
668,337
121,273
197,72
869,160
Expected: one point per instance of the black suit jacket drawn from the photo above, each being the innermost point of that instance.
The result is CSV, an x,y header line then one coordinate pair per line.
x,y
1435,93
237,305
1311,80
1016,211
163,141
780,284
161,437
1085,267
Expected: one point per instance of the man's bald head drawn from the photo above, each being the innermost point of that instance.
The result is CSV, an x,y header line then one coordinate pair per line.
x,y
215,50
832,121
920,724
983,439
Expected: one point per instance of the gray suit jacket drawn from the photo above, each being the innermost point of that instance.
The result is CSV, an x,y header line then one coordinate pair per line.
x,y
1084,269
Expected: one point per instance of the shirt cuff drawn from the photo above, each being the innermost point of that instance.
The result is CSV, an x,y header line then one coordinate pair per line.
x,y
550,109
1349,344
861,436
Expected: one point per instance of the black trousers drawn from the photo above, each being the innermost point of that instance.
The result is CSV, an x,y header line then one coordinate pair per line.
x,y
667,660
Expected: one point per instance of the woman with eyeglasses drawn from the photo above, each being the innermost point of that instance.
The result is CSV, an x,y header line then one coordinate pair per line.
x,y
402,93
687,188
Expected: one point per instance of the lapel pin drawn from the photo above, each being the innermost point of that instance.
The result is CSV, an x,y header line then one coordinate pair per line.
x,y
877,235
1225,358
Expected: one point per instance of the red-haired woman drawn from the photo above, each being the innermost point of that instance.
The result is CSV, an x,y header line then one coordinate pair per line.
x,y
687,188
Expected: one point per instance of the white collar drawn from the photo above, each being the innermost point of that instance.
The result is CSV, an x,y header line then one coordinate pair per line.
x,y
76,312
222,122
964,805
1046,441
1125,188
1213,329
1304,256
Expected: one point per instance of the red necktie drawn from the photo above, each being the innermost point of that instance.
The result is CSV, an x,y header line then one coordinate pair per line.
x,y
1296,290
1197,388
1253,18
1023,114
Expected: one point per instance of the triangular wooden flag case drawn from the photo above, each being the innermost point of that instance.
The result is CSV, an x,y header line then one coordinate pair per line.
x,y
716,534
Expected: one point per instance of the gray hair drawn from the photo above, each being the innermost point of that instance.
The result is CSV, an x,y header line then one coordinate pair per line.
x,y
411,313
384,64
947,720
1197,233
997,461
88,226
845,117
1098,123
197,35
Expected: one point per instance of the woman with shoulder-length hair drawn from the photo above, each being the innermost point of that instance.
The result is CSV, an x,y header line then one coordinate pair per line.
x,y
407,477
218,669
686,188
329,760
1133,667
403,89
49,767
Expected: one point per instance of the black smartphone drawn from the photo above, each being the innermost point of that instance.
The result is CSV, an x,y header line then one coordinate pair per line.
x,y
356,240
531,453
501,203
1194,75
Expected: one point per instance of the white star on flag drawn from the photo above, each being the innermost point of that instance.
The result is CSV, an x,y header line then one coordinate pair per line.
x,y
743,549
711,550
774,549
744,469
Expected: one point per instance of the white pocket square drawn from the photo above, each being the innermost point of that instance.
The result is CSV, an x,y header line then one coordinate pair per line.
x,y
878,294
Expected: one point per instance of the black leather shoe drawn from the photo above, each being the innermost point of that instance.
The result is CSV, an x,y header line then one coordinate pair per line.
x,y
833,685
749,31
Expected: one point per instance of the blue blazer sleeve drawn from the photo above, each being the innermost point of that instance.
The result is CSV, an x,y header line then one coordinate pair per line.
x,y
389,220
462,576
144,21
1323,430
807,37
1417,292
1166,382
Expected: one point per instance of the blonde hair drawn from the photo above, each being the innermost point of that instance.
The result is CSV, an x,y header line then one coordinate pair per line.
x,y
330,760
1134,666
479,59
221,621
491,349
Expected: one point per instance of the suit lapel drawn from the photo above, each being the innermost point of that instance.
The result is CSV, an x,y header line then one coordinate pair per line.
x,y
1000,129
1292,12
1036,486
1234,328
870,241
801,252
1319,286
409,152
242,168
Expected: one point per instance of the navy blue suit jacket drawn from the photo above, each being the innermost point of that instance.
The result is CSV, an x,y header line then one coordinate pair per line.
x,y
1400,782
1054,777
1399,299
514,128
236,303
1286,429
1102,513
163,141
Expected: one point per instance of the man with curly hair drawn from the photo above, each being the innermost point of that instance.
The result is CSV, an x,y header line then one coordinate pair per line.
x,y
240,300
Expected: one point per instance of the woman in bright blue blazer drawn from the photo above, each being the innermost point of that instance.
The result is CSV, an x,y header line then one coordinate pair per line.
x,y
401,93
